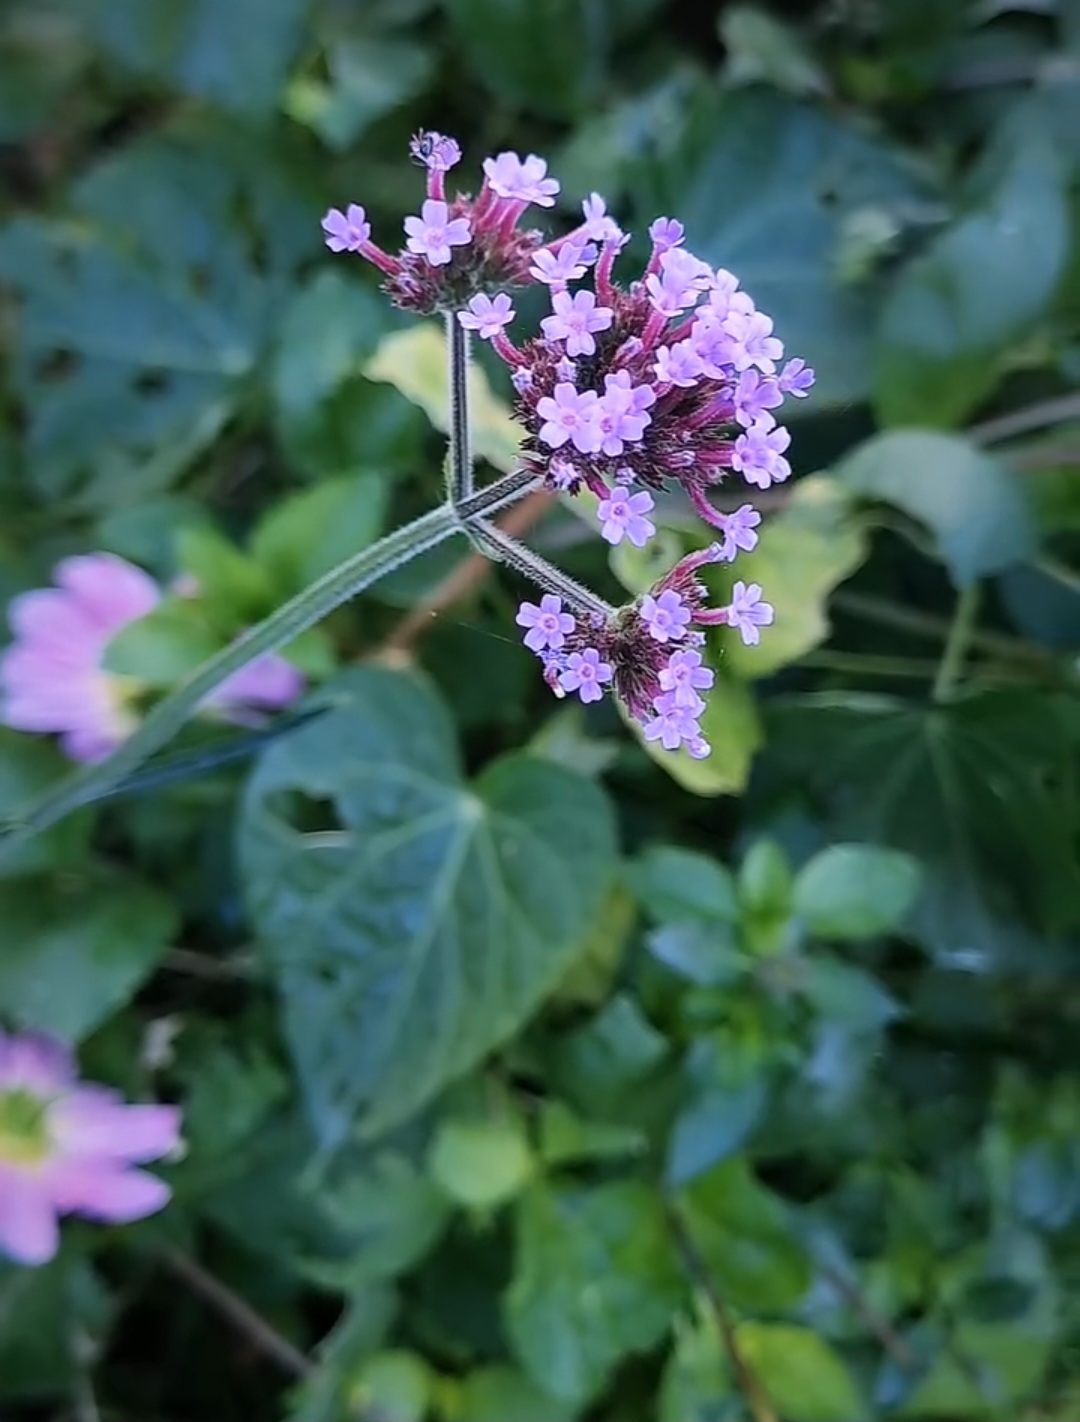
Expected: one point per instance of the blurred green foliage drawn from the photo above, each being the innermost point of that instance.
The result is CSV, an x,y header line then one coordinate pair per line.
x,y
529,1077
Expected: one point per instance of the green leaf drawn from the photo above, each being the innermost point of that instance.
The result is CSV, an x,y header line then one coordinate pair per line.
x,y
704,953
744,1235
163,647
791,175
567,1138
594,1280
413,921
28,765
394,1386
728,1101
765,882
979,791
971,500
40,1310
228,582
802,554
845,994
76,951
761,47
801,1373
730,723
370,75
328,328
856,890
673,883
956,310
503,1394
309,533
546,56
481,1163
414,362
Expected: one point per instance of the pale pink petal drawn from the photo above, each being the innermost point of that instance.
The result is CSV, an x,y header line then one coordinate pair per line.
x,y
53,621
111,591
106,1192
95,1122
88,745
35,1063
28,1228
268,681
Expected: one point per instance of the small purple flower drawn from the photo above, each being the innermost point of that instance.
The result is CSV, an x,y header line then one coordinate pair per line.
x,y
667,616
683,677
679,282
435,151
585,673
433,233
624,412
69,1147
346,231
759,454
567,264
672,725
566,370
486,315
666,232
752,341
796,379
738,530
753,396
746,612
679,364
623,515
509,177
266,684
570,416
547,624
574,319
597,225
725,296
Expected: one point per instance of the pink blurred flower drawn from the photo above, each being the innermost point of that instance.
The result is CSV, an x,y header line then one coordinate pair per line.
x,y
68,1147
53,679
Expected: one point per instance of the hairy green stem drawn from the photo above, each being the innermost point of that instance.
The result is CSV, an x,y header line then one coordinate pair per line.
x,y
459,454
957,644
494,542
296,616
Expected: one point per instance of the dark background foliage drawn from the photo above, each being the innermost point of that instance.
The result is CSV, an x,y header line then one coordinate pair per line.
x,y
612,1089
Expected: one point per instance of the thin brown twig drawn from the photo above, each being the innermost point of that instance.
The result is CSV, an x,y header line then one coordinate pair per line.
x,y
868,1316
465,578
231,1307
750,1384
1028,417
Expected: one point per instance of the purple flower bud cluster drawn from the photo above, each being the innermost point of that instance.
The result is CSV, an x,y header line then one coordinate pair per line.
x,y
648,652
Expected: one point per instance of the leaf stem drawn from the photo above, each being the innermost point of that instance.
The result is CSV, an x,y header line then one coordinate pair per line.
x,y
749,1383
165,719
1028,417
508,550
459,454
237,1312
957,643
925,624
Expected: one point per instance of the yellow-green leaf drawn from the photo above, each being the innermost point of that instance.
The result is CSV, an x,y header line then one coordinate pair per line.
x,y
732,726
803,553
414,362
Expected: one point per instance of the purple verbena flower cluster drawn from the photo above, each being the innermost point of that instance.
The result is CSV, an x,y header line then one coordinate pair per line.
x,y
673,377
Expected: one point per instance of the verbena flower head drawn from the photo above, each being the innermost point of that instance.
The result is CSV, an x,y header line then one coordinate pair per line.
x,y
70,1147
672,377
53,678
647,652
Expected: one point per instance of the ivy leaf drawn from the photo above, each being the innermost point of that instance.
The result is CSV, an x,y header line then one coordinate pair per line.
x,y
594,1280
413,921
971,500
801,556
414,362
75,952
979,791
856,890
803,1375
955,310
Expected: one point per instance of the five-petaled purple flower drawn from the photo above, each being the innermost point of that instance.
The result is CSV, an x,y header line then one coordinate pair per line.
x,y
346,231
747,612
521,180
684,676
674,726
586,674
70,1148
759,454
574,319
548,625
667,616
622,515
570,415
434,233
739,533
568,263
487,315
